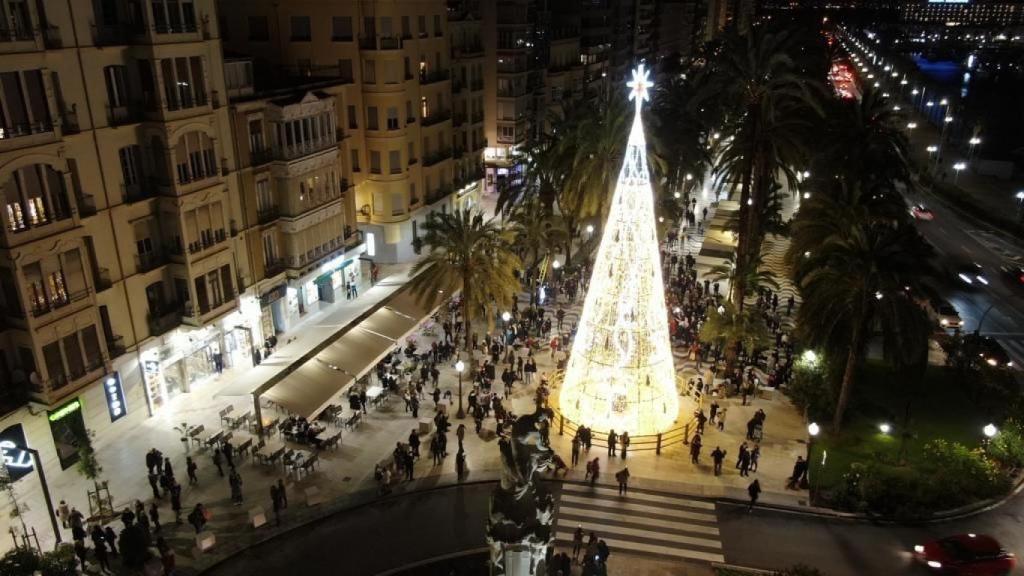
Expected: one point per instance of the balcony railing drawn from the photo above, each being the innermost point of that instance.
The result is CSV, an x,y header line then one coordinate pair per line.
x,y
178,101
193,313
437,118
69,122
17,34
435,157
273,267
115,345
164,319
102,279
127,114
262,156
43,307
146,261
467,50
268,214
20,129
380,43
114,34
300,149
432,77
86,205
175,28
218,236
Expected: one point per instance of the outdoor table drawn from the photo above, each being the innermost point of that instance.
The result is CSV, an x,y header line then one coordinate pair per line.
x,y
374,393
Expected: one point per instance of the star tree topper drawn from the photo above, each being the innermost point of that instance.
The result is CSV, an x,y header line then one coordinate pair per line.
x,y
639,86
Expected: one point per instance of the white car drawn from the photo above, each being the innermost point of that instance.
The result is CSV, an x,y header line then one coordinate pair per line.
x,y
949,318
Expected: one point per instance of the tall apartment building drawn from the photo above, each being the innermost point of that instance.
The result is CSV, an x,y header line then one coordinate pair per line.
x,y
120,256
725,13
676,24
396,116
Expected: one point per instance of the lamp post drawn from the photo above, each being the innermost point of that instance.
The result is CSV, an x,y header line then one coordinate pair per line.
x,y
812,432
459,367
1020,206
990,432
974,141
957,169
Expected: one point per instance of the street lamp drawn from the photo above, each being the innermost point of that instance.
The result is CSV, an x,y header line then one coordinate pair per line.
x,y
812,432
556,264
505,316
459,367
884,428
911,125
958,167
990,430
974,141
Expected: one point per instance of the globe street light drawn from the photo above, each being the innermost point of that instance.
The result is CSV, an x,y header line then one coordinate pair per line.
x,y
911,125
505,316
884,428
812,432
459,367
958,167
990,430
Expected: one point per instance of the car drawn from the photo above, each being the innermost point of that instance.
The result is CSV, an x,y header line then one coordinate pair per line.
x,y
1013,274
948,317
922,212
966,554
992,353
972,274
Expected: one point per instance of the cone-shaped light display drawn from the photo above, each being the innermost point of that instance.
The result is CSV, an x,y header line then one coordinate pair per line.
x,y
620,374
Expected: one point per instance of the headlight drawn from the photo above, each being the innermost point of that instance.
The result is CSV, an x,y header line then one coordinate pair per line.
x,y
919,549
966,278
983,280
934,564
944,322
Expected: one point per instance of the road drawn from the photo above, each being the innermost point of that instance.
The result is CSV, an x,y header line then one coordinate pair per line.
x,y
960,239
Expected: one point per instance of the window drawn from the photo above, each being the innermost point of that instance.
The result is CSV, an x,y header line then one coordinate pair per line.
x,y
256,135
409,116
395,161
397,203
35,195
424,107
374,162
355,160
341,29
412,193
23,104
369,72
258,29
352,123
195,158
437,24
407,67
371,118
269,250
392,118
300,29
421,21
174,16
15,22
131,164
184,82
412,153
264,198
345,70
406,30
117,86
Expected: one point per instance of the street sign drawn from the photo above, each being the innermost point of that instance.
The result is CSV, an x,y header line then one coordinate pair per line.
x,y
16,458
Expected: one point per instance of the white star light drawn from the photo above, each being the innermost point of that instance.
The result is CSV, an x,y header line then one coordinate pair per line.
x,y
640,85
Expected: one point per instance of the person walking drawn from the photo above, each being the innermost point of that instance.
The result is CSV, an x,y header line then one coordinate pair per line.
x,y
613,439
624,442
275,499
176,502
576,449
577,543
721,419
460,464
282,492
799,473
154,480
701,419
713,411
197,517
622,477
755,455
594,470
718,456
154,516
414,443
235,481
460,433
754,491
82,552
745,463
191,467
217,459
99,546
695,446
64,513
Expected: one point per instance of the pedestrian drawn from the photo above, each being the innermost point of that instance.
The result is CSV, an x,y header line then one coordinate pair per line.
x,y
154,479
217,459
154,516
168,470
100,548
718,456
622,477
82,552
198,517
701,419
799,473
714,411
191,467
275,498
166,556
695,446
595,471
721,419
576,449
111,539
613,439
739,458
745,463
64,513
754,490
460,464
283,493
755,455
235,481
176,502
624,441
460,433
577,544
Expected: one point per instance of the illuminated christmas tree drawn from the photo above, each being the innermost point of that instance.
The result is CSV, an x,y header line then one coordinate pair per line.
x,y
620,374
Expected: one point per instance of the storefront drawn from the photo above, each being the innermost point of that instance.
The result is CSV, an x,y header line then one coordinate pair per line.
x,y
243,330
185,360
340,278
67,426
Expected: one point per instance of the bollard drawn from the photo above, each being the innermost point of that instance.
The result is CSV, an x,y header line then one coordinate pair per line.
x,y
561,424
686,434
657,450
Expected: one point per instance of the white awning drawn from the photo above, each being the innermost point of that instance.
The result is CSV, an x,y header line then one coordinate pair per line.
x,y
309,389
357,351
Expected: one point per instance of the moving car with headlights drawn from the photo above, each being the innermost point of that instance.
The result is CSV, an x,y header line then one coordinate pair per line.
x,y
966,555
921,212
947,316
972,274
992,353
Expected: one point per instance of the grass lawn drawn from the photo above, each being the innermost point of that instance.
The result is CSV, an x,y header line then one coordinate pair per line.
x,y
941,406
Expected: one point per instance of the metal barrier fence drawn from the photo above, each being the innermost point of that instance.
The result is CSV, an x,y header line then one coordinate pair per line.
x,y
640,443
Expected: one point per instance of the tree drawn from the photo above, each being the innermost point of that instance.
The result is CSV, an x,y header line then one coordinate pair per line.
x,y
755,76
471,255
754,278
680,128
855,274
728,326
537,233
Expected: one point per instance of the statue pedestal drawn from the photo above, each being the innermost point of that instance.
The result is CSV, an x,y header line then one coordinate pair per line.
x,y
519,559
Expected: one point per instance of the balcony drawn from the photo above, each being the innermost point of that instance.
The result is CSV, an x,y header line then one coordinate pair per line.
x,y
102,279
469,50
273,267
300,149
86,205
127,114
380,43
58,381
268,214
131,193
52,37
42,307
17,34
437,118
21,129
69,122
114,34
261,156
146,261
197,315
458,120
437,157
164,319
434,77
178,102
115,346
476,118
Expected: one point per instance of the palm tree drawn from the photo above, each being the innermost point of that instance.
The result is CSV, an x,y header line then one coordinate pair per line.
x,y
681,128
537,233
756,76
471,255
754,278
728,327
857,273
541,175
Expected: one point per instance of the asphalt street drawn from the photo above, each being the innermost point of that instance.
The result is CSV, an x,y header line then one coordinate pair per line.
x,y
959,239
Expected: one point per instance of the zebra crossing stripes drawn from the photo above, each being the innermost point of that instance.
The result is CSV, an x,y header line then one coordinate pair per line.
x,y
642,522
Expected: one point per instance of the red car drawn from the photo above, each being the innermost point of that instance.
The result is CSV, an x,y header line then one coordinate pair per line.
x,y
966,555
920,212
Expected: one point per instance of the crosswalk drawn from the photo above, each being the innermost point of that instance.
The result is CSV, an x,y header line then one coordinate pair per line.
x,y
642,522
